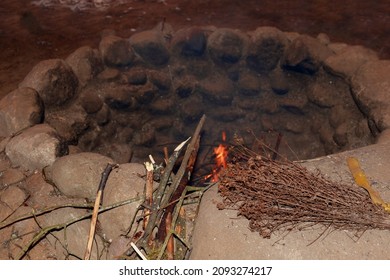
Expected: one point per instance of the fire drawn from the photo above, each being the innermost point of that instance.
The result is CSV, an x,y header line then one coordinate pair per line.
x,y
221,153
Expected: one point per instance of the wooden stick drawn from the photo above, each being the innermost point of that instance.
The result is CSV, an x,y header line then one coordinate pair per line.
x,y
43,232
166,156
170,244
164,191
148,192
180,188
95,212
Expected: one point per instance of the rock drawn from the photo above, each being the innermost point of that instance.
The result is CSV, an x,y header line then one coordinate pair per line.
x,y
324,95
20,109
384,137
103,116
223,115
266,48
326,137
191,109
371,90
13,197
218,90
150,46
119,97
346,62
11,176
160,79
4,165
125,182
79,175
41,192
109,75
146,136
117,247
136,76
323,38
338,114
90,101
120,153
145,94
279,82
116,52
306,55
76,235
249,84
54,80
69,123
162,106
340,136
162,122
35,148
189,42
294,102
85,63
185,86
226,46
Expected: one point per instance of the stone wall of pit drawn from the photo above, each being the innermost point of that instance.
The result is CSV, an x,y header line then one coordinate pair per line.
x,y
132,96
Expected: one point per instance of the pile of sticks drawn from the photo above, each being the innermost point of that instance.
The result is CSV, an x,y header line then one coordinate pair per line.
x,y
162,205
283,195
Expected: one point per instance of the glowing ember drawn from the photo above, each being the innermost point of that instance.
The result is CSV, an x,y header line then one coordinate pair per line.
x,y
221,153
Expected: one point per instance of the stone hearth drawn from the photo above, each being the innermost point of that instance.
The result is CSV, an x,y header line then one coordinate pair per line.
x,y
131,97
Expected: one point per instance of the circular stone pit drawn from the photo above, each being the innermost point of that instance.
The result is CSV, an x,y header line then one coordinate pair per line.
x,y
132,96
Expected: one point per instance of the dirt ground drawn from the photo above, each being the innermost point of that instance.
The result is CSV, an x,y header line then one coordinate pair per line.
x,y
30,33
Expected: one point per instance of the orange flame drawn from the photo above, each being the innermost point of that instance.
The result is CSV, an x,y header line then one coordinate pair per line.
x,y
221,153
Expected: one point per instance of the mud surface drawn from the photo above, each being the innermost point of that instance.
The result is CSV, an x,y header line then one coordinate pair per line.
x,y
30,33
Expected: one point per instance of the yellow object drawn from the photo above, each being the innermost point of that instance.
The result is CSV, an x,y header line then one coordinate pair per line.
x,y
361,181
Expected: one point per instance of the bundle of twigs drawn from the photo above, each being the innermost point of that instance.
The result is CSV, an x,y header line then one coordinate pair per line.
x,y
284,195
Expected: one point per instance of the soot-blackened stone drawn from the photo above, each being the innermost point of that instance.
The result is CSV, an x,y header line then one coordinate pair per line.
x,y
136,76
90,101
266,48
54,81
184,86
191,109
160,79
226,46
116,51
86,63
150,46
217,89
189,42
305,55
249,84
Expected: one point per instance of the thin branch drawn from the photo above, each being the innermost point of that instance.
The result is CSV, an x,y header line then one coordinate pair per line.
x,y
95,212
42,233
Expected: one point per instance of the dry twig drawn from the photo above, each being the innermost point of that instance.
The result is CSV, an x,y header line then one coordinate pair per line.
x,y
284,195
95,212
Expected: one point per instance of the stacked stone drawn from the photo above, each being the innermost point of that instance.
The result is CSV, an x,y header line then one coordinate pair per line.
x,y
129,95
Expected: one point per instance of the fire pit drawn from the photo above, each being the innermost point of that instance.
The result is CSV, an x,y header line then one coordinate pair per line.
x,y
133,97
